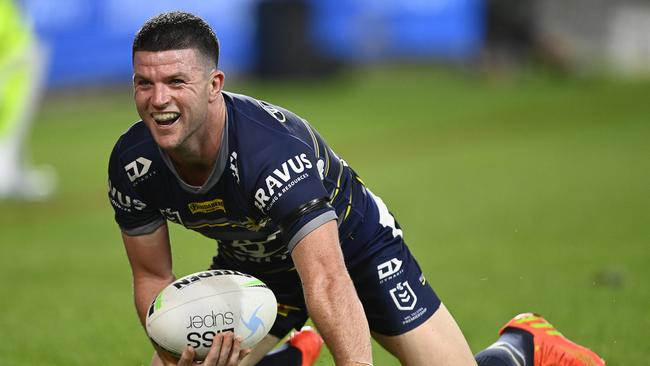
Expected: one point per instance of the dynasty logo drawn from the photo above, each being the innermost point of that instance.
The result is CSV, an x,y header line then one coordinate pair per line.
x,y
389,268
138,168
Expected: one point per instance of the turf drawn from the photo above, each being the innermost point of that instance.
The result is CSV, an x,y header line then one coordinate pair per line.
x,y
523,194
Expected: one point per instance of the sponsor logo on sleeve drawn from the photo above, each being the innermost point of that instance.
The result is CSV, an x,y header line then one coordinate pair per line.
x,y
281,180
122,201
389,269
273,111
207,206
403,296
138,170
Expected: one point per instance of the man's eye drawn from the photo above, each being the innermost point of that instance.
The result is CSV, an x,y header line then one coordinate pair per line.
x,y
143,83
177,82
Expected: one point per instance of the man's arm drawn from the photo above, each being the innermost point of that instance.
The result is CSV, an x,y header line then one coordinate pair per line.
x,y
331,297
151,264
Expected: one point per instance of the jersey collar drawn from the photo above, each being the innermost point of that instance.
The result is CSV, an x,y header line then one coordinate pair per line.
x,y
217,170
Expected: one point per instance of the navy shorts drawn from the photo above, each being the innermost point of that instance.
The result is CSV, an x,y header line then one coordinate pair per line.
x,y
395,294
391,286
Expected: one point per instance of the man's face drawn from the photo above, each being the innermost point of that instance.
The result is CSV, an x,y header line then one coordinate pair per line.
x,y
172,91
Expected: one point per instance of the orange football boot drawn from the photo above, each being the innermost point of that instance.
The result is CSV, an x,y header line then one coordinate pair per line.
x,y
551,347
309,343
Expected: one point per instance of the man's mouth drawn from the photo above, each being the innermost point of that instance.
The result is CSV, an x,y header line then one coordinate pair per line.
x,y
165,118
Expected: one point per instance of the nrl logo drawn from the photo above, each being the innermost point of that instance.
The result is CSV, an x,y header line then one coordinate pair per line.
x,y
403,296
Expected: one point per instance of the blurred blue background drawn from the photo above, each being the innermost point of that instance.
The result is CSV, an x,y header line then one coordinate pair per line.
x,y
90,41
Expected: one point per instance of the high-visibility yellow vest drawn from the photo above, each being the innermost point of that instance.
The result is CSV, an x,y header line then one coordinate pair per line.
x,y
15,41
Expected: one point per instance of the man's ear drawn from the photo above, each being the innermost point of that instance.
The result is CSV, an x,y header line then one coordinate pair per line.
x,y
217,79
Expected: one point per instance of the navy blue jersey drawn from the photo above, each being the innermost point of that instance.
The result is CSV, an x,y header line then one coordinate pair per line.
x,y
258,203
271,164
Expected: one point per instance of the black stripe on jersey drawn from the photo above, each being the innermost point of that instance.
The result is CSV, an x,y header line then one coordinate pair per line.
x,y
311,206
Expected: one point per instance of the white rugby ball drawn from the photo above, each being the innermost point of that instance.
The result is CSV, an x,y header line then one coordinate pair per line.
x,y
192,310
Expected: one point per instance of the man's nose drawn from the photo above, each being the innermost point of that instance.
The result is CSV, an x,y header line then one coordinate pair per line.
x,y
160,97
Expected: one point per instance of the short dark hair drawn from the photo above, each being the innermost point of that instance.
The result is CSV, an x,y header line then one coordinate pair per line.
x,y
177,30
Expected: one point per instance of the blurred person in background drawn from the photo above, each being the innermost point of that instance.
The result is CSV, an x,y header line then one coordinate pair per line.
x,y
21,83
286,209
515,40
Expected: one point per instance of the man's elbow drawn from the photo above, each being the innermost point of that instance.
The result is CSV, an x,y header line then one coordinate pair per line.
x,y
331,282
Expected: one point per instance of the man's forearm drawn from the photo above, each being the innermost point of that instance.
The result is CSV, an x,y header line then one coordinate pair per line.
x,y
144,291
337,312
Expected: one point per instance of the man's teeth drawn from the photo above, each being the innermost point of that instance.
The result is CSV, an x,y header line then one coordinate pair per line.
x,y
165,117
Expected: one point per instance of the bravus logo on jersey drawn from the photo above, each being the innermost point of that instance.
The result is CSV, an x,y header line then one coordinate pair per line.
x,y
282,179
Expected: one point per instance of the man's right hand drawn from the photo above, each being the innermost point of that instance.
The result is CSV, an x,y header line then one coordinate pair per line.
x,y
225,351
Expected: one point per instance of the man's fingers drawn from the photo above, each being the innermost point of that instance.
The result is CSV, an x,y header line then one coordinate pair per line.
x,y
236,353
225,351
186,357
213,355
226,347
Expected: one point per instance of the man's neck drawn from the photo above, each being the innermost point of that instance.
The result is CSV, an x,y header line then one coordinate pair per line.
x,y
195,161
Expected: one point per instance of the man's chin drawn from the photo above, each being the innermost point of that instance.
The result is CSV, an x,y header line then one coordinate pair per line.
x,y
167,143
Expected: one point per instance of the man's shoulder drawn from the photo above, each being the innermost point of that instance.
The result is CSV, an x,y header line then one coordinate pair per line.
x,y
250,112
257,124
135,143
135,138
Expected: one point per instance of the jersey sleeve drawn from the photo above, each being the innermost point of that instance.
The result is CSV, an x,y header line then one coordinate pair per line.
x,y
288,189
133,213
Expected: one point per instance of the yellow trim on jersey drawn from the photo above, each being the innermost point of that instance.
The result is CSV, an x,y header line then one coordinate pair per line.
x,y
338,182
347,212
219,224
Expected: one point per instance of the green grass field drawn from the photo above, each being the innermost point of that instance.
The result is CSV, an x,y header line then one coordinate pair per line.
x,y
531,194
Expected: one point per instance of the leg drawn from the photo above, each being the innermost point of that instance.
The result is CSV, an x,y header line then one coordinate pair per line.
x,y
542,345
436,342
404,313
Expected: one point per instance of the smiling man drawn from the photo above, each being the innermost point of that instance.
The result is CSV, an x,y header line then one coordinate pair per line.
x,y
284,207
